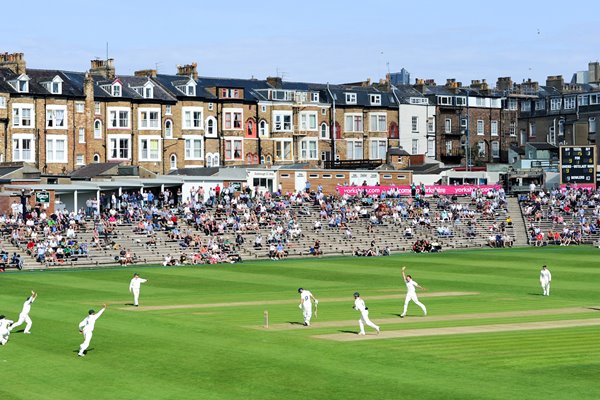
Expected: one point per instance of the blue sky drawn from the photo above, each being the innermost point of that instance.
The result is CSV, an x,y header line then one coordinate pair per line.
x,y
320,41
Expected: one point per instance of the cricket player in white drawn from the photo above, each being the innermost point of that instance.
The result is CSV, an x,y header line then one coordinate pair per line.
x,y
134,287
411,293
359,305
306,299
545,279
87,328
24,316
4,331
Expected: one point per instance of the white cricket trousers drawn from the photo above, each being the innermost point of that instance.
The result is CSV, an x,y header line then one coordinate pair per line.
x,y
307,313
364,319
136,296
546,287
87,338
22,318
4,333
413,297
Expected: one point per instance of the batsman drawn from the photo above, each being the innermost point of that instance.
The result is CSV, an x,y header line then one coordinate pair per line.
x,y
306,300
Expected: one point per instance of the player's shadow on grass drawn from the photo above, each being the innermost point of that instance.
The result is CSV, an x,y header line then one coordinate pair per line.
x,y
295,323
346,331
19,331
535,294
594,308
85,352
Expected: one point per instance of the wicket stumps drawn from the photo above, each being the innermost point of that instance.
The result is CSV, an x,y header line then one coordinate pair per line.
x,y
266,319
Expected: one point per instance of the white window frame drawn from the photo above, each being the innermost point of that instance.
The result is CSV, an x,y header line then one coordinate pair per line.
x,y
232,112
354,145
480,127
18,119
414,123
116,89
51,150
350,98
325,136
525,105
430,125
280,147
234,140
51,111
283,121
97,130
448,125
377,122
460,101
190,123
211,131
555,104
415,146
116,113
79,107
314,97
211,106
540,104
307,152
212,160
494,128
512,128
2,102
80,159
149,157
375,99
96,158
263,128
481,148
117,138
173,162
376,148
168,109
352,124
168,128
444,100
97,108
190,147
304,120
569,103
145,123
20,137
512,104
495,149
81,135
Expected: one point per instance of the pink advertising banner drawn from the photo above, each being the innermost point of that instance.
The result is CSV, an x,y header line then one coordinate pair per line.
x,y
446,190
584,186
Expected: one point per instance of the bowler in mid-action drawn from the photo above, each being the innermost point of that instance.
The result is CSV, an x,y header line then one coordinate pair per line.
x,y
411,293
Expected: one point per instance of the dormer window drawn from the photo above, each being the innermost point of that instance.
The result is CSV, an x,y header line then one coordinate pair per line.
x,y
21,84
148,92
188,88
314,97
116,90
350,98
54,86
375,99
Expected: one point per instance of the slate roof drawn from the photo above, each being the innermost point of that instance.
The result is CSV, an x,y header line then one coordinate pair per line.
x,y
93,170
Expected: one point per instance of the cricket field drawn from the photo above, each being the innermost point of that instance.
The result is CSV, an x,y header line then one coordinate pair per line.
x,y
199,334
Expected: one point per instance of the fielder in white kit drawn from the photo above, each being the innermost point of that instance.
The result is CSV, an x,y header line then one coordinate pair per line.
x,y
360,306
134,287
411,293
545,279
306,299
86,327
4,331
24,316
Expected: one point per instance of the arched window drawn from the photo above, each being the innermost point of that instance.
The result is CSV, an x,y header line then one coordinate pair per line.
x,y
168,128
263,128
324,131
97,129
249,158
255,158
216,160
211,127
269,159
250,132
262,159
96,158
173,161
209,160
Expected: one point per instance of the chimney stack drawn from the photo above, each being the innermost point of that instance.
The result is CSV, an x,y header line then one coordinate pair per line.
x,y
555,81
150,73
594,72
13,61
105,68
275,81
188,70
504,83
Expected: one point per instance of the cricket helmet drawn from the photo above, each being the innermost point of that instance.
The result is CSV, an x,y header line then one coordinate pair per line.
x,y
300,290
356,294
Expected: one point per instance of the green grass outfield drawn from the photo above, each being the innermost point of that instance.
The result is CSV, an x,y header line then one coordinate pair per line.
x,y
221,351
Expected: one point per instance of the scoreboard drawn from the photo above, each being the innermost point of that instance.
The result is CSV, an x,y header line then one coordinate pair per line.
x,y
578,164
